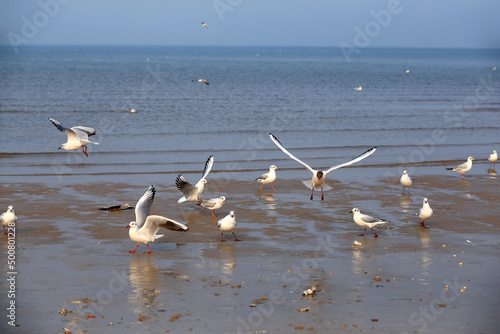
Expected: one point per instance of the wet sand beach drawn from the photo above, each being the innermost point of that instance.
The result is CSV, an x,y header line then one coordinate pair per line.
x,y
443,279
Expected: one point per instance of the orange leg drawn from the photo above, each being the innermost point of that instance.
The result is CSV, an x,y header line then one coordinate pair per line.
x,y
84,150
376,235
236,239
261,186
149,249
363,233
272,187
134,249
213,215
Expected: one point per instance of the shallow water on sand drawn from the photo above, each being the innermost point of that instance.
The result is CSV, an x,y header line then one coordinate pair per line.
x,y
71,255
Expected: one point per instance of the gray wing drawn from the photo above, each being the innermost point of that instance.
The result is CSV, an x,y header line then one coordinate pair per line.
x,y
2,217
369,219
210,203
143,206
82,132
350,162
154,223
208,166
58,125
277,143
262,177
183,185
461,167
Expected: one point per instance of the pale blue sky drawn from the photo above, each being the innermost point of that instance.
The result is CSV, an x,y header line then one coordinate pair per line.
x,y
417,23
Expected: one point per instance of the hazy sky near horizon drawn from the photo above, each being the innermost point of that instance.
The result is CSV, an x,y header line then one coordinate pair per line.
x,y
360,23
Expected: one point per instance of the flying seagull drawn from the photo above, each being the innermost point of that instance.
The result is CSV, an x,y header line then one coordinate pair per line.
x,y
204,24
202,80
318,180
190,192
145,226
78,136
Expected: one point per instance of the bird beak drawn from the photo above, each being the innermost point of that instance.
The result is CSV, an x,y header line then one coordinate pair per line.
x,y
350,211
473,159
128,226
208,182
59,147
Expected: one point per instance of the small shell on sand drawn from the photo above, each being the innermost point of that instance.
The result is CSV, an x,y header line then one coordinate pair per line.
x,y
357,243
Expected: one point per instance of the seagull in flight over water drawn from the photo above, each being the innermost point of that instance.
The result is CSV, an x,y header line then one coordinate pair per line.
x,y
318,180
78,136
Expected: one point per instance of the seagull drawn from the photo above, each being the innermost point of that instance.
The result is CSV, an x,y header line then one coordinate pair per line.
x,y
318,180
227,224
202,80
268,177
78,136
204,24
366,221
405,181
145,226
358,88
213,204
463,168
493,158
407,71
493,68
190,192
425,212
8,217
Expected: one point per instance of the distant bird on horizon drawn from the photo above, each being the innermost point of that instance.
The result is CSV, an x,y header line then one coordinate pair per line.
x,y
406,181
8,217
144,228
227,224
268,178
318,179
78,137
213,204
201,80
425,212
463,168
366,221
204,24
493,68
493,158
358,88
407,71
190,192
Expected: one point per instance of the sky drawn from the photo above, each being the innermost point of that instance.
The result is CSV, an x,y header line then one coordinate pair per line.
x,y
326,23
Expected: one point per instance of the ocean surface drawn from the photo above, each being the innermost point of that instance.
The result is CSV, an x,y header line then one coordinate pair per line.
x,y
444,109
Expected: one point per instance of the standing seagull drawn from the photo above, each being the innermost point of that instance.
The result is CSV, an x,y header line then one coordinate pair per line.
x,y
190,192
366,221
78,136
213,204
227,224
147,233
318,180
8,217
463,168
425,212
493,158
204,24
405,181
269,177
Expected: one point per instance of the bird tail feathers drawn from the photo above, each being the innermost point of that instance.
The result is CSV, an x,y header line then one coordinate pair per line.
x,y
309,184
158,236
